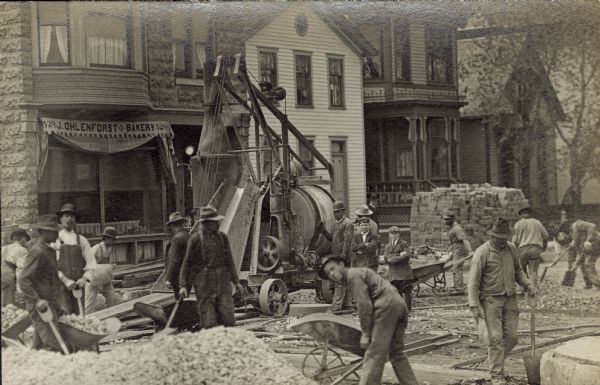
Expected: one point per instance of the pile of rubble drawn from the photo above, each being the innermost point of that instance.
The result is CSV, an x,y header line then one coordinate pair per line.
x,y
475,206
214,356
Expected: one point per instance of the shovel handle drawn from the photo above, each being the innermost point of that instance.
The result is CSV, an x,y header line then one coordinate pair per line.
x,y
173,312
532,305
47,316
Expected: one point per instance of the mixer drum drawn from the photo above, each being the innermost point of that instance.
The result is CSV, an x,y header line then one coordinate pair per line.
x,y
311,205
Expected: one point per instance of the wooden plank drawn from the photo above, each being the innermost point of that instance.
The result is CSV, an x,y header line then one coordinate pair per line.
x,y
425,341
142,268
136,322
430,347
521,349
127,334
441,306
127,307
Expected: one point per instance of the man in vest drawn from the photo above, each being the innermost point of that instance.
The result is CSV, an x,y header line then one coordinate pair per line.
x,y
586,243
459,247
341,247
208,265
177,249
531,238
75,258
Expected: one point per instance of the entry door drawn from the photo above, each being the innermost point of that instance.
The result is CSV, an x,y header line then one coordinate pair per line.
x,y
339,185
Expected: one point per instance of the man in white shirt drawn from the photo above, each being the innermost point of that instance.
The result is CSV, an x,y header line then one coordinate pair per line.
x,y
15,255
75,258
100,278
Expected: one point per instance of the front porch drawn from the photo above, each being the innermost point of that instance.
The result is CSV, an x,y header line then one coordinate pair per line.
x,y
408,154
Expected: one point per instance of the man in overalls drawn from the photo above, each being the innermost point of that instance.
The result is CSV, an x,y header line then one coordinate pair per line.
x,y
74,258
208,265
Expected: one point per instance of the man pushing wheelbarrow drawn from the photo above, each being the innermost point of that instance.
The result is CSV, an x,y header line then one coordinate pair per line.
x,y
383,320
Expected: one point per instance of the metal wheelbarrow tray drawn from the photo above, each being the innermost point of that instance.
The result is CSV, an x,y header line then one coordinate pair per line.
x,y
18,327
185,318
82,338
323,362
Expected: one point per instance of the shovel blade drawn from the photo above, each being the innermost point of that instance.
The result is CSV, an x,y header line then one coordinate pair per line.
x,y
532,367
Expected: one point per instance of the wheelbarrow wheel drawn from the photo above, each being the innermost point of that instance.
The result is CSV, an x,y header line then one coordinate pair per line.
x,y
315,362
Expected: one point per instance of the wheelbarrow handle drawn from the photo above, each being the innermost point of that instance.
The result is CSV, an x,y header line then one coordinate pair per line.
x,y
78,294
47,316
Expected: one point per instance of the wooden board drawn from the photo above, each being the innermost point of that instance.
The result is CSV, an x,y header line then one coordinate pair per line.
x,y
127,307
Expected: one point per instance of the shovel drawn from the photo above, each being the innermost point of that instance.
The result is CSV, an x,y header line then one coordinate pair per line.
x,y
47,316
78,293
168,330
532,362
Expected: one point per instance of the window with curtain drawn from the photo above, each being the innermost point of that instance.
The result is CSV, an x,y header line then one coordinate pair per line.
x,y
400,153
402,50
267,62
336,82
373,64
304,95
438,148
307,156
439,54
53,28
107,40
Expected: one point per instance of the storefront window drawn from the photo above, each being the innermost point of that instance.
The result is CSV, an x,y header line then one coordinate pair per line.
x,y
108,40
53,32
126,187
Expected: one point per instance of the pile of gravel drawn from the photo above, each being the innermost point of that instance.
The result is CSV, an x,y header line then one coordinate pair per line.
x,y
210,357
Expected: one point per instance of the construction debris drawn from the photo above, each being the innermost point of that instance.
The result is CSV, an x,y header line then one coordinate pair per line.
x,y
214,356
89,324
475,207
10,315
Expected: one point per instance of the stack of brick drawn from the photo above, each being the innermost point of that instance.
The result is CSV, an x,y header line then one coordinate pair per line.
x,y
475,206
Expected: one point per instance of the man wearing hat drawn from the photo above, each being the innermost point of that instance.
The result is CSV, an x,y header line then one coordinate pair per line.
x,y
39,281
177,249
383,320
208,265
397,256
586,243
101,276
495,271
341,247
75,258
373,206
364,246
531,238
459,247
13,260
365,212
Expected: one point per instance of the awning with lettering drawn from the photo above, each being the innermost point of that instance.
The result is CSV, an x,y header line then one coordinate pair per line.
x,y
108,138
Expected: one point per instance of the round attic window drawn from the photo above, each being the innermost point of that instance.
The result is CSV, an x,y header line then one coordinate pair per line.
x,y
301,24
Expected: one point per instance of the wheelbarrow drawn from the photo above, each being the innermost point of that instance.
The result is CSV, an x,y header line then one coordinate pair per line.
x,y
186,317
323,363
433,274
19,326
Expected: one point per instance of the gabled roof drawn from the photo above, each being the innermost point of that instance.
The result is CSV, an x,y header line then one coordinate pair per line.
x,y
486,66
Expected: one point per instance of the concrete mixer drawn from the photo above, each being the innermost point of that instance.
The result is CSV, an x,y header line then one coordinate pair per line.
x,y
271,213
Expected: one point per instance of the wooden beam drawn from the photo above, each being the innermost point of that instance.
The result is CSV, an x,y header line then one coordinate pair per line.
x,y
127,307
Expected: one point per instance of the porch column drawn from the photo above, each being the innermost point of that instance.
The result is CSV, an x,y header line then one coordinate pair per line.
x,y
413,138
448,137
381,149
423,138
457,140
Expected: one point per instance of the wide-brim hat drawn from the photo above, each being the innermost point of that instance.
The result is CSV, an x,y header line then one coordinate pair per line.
x,y
109,232
500,229
47,222
19,233
68,208
175,217
363,210
321,272
525,209
338,206
449,215
209,213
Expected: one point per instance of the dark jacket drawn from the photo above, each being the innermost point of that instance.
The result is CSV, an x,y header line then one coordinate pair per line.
x,y
399,265
208,264
341,238
39,279
365,253
176,254
375,215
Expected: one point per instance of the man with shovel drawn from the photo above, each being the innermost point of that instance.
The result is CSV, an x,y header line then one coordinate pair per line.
x,y
495,270
39,281
208,265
